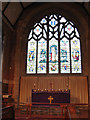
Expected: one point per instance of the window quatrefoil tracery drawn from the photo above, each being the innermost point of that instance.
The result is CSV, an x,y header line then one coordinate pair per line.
x,y
54,47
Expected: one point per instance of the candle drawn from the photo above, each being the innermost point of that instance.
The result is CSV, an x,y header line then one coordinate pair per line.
x,y
34,85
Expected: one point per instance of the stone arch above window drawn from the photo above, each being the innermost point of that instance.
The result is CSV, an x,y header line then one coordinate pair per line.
x,y
54,47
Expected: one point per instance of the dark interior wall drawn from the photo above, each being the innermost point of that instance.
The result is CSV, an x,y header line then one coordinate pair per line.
x,y
89,56
5,88
8,56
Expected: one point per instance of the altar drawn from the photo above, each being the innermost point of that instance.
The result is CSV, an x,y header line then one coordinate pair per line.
x,y
51,96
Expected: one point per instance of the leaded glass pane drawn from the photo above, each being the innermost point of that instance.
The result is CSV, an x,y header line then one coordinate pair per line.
x,y
53,56
55,16
72,35
62,33
62,20
50,35
77,34
61,25
56,34
66,35
75,56
45,27
37,30
43,21
69,29
40,36
56,29
42,56
64,56
53,22
34,36
44,34
31,57
30,35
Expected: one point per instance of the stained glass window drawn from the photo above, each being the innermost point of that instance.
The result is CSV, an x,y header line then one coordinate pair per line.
x,y
54,47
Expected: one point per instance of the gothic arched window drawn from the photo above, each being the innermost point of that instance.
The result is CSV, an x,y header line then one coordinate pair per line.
x,y
54,47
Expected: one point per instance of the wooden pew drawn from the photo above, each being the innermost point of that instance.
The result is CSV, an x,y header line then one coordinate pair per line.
x,y
8,113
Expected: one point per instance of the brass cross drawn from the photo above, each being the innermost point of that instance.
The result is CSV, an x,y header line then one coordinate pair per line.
x,y
50,99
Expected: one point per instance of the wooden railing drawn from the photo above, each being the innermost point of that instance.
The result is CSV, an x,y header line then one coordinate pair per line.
x,y
65,111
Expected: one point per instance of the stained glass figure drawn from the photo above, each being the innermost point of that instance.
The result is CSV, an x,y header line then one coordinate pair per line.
x,y
31,57
42,56
64,56
53,56
75,55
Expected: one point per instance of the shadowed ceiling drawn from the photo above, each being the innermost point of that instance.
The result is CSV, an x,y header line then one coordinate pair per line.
x,y
11,11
